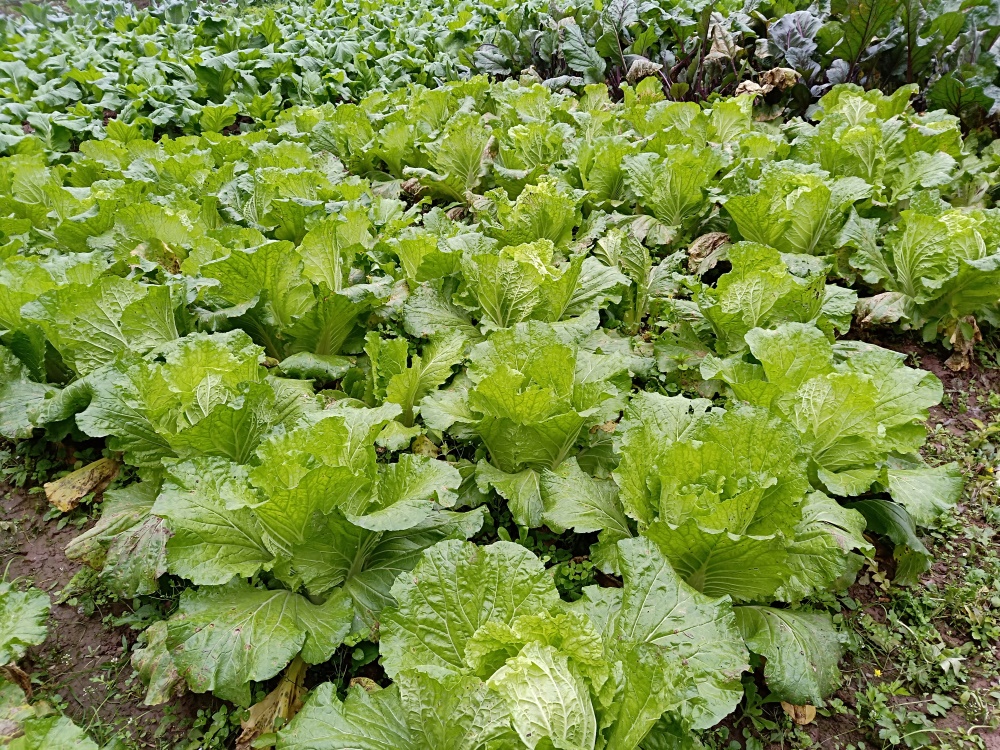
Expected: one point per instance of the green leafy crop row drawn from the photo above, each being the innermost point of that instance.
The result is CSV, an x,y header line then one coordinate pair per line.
x,y
191,68
341,349
185,69
699,49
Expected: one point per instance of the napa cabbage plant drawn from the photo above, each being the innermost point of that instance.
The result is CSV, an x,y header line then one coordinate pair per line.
x,y
528,394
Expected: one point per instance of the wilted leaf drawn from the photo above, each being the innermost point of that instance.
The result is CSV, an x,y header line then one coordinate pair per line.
x,y
67,492
278,707
801,715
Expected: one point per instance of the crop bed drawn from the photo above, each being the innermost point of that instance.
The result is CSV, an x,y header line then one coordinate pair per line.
x,y
474,377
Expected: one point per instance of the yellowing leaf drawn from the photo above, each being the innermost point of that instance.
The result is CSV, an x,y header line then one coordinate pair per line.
x,y
277,708
66,493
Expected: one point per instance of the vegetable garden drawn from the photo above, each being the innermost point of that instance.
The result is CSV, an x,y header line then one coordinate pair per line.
x,y
528,357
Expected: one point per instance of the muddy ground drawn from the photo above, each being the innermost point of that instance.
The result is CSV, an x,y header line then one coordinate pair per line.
x,y
85,660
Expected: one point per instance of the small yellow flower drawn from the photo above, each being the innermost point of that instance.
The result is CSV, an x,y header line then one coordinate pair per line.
x,y
878,672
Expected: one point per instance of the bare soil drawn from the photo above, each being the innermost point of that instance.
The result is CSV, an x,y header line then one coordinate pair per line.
x,y
84,660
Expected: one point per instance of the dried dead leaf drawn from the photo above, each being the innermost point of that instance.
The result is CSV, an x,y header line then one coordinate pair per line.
x,y
963,341
13,673
67,492
641,68
369,685
705,252
778,78
768,81
281,703
749,87
424,446
801,715
412,187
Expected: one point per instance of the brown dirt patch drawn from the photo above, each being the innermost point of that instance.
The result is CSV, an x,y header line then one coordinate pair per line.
x,y
83,660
